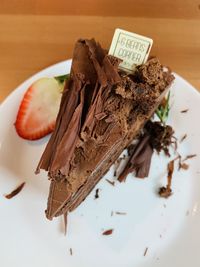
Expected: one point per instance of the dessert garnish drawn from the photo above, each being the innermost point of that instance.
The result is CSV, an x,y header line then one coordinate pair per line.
x,y
39,108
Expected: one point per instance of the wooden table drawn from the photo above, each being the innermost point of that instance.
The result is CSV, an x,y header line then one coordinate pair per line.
x,y
36,34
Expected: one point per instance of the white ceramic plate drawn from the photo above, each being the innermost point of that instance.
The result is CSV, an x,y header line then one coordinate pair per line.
x,y
169,228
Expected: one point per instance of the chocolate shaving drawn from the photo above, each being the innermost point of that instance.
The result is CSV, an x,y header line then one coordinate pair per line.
x,y
183,138
96,193
65,223
110,182
167,191
139,161
108,232
145,252
184,110
15,191
120,213
189,157
70,251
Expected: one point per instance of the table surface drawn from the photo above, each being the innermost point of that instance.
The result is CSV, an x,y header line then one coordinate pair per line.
x,y
36,34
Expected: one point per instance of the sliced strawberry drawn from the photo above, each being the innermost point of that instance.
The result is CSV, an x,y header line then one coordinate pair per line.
x,y
38,110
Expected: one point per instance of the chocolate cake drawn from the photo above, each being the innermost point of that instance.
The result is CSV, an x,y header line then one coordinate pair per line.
x,y
102,110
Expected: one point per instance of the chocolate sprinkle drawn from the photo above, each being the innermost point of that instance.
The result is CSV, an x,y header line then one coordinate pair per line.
x,y
15,191
70,251
108,232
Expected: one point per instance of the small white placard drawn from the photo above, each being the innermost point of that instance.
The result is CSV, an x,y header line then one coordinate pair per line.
x,y
132,48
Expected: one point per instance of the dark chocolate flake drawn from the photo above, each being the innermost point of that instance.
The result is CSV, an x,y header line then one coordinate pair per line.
x,y
15,191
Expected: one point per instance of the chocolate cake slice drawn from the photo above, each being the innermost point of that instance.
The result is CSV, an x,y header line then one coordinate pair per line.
x,y
101,112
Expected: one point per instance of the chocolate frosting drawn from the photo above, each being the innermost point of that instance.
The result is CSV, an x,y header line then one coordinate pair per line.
x,y
101,111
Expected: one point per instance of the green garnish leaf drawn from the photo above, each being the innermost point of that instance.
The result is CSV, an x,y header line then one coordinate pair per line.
x,y
163,111
62,78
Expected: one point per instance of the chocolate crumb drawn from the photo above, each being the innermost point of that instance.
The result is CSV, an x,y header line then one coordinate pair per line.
x,y
108,232
70,251
184,110
96,193
183,166
166,191
110,182
160,136
120,213
183,138
15,191
145,252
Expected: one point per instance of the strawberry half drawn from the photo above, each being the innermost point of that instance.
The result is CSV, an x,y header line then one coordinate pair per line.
x,y
39,108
